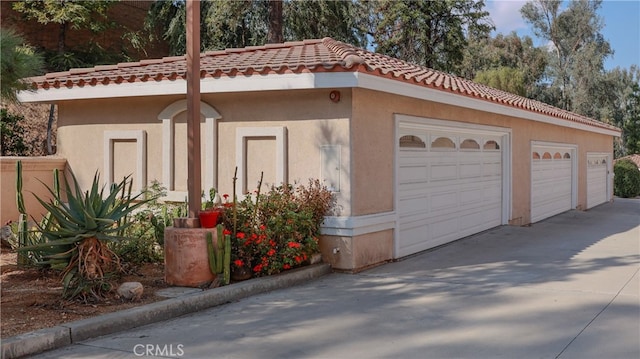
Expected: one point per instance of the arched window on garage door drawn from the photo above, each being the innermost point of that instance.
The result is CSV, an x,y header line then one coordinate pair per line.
x,y
443,144
469,144
411,141
491,145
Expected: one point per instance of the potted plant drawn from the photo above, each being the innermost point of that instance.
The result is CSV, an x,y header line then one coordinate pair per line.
x,y
210,209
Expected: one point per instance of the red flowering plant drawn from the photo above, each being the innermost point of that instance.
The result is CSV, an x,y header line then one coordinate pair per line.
x,y
277,230
239,222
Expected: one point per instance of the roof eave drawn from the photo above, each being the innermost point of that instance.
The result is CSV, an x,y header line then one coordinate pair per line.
x,y
378,83
297,81
225,84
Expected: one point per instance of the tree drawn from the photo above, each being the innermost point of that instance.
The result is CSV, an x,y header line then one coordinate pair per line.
x,y
275,34
91,15
11,138
577,50
17,62
631,127
622,107
223,23
232,24
504,78
315,19
429,33
486,58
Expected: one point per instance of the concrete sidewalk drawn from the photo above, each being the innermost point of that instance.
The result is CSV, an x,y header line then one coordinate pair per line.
x,y
566,287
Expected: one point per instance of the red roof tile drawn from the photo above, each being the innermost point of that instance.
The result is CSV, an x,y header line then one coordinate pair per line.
x,y
634,158
326,55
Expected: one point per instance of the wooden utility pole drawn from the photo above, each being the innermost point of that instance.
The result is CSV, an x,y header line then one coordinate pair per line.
x,y
194,179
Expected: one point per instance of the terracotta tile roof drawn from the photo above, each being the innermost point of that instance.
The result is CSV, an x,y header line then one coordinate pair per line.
x,y
309,56
634,158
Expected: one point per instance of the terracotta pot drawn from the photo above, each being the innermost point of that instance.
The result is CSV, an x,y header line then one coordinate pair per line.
x,y
209,218
186,259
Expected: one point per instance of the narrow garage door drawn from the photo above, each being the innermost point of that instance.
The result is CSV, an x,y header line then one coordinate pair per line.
x,y
597,172
551,181
449,186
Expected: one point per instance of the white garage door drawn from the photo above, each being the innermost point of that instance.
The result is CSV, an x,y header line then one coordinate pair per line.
x,y
449,186
597,170
551,180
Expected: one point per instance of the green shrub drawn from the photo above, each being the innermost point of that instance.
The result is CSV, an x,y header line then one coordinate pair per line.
x,y
12,134
144,236
141,246
626,183
277,230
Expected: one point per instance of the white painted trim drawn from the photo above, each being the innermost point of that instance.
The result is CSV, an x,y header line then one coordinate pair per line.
x,y
413,122
140,136
150,88
210,133
279,82
358,225
208,85
180,106
168,150
242,133
373,82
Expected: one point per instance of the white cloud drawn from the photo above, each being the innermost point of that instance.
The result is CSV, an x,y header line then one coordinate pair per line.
x,y
506,15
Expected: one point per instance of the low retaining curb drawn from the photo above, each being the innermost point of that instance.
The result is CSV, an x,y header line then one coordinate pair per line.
x,y
76,331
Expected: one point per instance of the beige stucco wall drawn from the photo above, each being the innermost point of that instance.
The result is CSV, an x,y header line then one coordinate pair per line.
x,y
310,117
373,148
362,124
373,123
35,172
311,120
358,252
81,127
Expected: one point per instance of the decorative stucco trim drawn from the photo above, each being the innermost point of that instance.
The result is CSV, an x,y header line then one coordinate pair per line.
x,y
167,116
242,133
404,89
358,225
140,137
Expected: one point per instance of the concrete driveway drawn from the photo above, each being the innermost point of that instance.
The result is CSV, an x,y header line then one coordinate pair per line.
x,y
566,287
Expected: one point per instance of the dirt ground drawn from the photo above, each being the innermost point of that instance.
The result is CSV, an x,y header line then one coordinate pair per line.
x,y
31,299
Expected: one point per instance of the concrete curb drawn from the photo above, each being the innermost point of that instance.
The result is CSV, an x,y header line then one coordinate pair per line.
x,y
73,332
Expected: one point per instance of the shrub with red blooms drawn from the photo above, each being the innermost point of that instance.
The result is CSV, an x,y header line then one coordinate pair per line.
x,y
277,230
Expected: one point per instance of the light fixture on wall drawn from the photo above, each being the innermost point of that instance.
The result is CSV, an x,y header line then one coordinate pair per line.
x,y
334,96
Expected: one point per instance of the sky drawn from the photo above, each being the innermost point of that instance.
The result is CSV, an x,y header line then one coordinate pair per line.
x,y
621,27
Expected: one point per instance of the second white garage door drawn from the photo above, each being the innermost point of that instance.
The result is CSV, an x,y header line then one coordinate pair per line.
x,y
597,178
552,180
450,185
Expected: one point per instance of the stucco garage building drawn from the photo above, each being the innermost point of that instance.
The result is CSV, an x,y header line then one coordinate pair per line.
x,y
417,158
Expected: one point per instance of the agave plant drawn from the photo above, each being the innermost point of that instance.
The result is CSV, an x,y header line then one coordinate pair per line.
x,y
85,223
